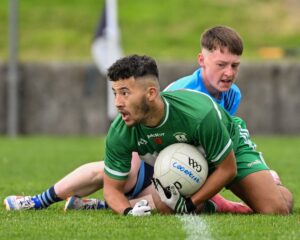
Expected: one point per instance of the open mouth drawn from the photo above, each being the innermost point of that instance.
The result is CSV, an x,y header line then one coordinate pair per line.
x,y
226,81
125,116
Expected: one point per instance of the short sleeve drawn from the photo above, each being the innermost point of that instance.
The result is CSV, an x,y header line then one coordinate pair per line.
x,y
214,137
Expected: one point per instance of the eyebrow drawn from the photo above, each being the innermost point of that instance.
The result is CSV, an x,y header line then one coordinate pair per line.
x,y
221,61
120,89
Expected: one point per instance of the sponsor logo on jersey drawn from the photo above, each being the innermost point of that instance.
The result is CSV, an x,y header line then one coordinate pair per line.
x,y
155,135
142,142
181,136
185,171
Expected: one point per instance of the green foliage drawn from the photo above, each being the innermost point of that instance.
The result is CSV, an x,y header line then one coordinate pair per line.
x,y
169,29
29,165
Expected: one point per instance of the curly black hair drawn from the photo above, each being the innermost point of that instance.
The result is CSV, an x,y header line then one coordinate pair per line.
x,y
133,66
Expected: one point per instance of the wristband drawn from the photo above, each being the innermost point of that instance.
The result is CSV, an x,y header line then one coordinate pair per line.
x,y
127,210
190,205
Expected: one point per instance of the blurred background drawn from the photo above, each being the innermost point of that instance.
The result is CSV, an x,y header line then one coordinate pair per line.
x,y
61,91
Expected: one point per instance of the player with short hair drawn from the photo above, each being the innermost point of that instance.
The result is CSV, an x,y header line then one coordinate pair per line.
x,y
144,112
208,79
219,60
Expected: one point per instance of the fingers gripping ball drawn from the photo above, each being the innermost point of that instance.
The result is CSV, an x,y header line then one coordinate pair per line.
x,y
174,199
183,165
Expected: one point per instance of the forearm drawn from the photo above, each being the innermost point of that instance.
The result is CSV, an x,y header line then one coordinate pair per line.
x,y
116,200
212,186
223,175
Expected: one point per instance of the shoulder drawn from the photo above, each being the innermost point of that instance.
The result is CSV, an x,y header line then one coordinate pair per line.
x,y
190,81
234,93
232,99
182,93
235,88
189,100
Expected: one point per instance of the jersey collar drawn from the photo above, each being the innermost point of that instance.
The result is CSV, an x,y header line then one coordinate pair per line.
x,y
166,112
166,115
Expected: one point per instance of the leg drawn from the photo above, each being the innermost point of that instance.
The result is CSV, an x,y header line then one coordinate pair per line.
x,y
83,181
260,192
216,204
254,182
288,197
88,185
284,191
88,178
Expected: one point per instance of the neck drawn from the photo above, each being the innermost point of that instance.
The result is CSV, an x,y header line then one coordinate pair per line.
x,y
212,91
156,113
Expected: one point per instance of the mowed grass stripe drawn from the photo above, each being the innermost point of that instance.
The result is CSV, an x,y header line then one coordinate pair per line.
x,y
195,227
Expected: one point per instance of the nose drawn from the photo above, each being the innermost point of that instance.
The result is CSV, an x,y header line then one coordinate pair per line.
x,y
229,71
118,101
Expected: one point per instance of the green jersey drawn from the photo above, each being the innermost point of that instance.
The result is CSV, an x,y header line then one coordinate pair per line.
x,y
190,117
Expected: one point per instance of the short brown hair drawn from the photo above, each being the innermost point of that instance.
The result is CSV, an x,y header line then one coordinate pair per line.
x,y
222,37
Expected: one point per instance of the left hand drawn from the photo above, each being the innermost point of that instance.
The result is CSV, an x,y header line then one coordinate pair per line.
x,y
173,198
141,208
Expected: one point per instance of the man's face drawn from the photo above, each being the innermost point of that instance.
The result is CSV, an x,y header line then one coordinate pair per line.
x,y
131,100
219,68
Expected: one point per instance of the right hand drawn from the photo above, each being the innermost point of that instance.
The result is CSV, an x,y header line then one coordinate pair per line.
x,y
141,208
173,198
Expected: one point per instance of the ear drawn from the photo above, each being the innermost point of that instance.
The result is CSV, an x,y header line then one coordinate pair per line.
x,y
152,93
201,59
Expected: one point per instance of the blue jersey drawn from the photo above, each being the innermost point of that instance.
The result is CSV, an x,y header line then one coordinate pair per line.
x,y
229,100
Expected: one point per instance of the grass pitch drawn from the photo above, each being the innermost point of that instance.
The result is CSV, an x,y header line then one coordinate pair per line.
x,y
29,165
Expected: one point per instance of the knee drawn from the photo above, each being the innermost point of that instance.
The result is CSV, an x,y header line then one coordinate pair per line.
x,y
97,175
288,197
276,208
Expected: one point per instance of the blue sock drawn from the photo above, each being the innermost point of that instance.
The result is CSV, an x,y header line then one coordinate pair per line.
x,y
45,199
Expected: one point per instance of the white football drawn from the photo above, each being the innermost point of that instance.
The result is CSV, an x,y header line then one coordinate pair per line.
x,y
183,165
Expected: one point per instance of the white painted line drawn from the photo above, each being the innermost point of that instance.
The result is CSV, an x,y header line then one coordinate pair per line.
x,y
195,227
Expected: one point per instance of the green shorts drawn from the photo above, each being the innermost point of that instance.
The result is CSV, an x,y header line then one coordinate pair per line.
x,y
247,158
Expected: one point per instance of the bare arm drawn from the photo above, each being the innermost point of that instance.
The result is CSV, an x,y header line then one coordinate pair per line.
x,y
114,194
222,175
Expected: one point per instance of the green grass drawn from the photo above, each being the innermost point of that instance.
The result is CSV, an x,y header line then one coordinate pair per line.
x,y
169,29
29,165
